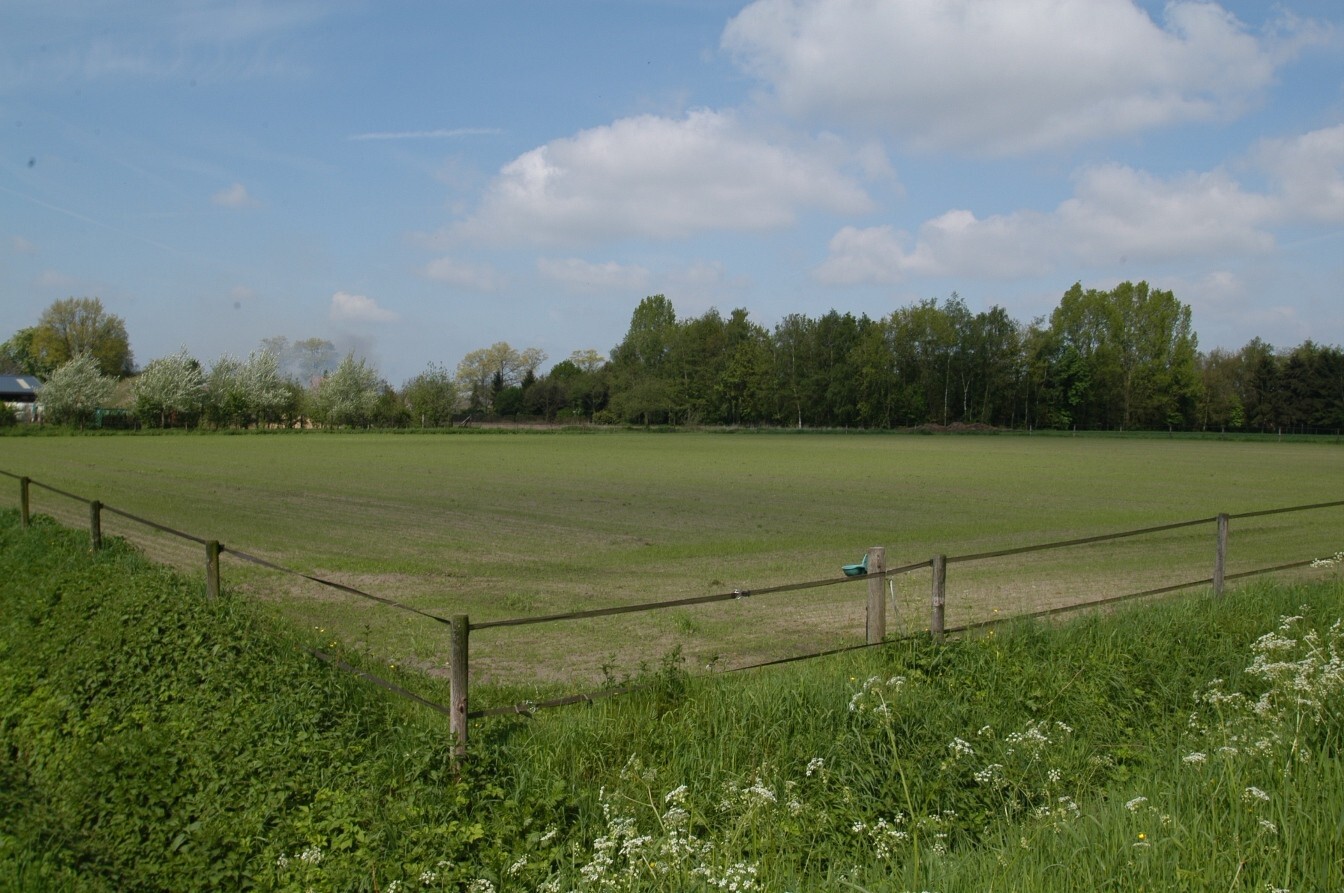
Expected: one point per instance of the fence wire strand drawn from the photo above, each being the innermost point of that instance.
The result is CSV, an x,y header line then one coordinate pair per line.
x,y
526,708
262,562
378,681
735,595
1082,541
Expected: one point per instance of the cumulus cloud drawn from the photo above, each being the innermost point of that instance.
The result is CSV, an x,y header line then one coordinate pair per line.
x,y
1308,171
236,196
1116,214
661,178
358,309
581,275
990,77
474,277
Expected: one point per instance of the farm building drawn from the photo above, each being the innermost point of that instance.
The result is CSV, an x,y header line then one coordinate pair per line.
x,y
18,393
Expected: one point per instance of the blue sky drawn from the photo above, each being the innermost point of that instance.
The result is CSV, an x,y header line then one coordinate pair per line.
x,y
415,180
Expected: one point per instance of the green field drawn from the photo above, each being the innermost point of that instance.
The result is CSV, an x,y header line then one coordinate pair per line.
x,y
500,524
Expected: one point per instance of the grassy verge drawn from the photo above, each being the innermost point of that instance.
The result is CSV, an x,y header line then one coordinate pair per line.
x,y
151,740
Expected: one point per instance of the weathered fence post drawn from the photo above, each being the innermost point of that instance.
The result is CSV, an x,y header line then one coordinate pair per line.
x,y
212,569
877,595
457,682
936,624
1220,556
23,502
96,524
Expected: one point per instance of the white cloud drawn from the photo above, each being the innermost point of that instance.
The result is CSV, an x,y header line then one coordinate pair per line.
x,y
358,309
660,178
991,77
1308,171
236,196
475,277
581,275
1116,215
24,246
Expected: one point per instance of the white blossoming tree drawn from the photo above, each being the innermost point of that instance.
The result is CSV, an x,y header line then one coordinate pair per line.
x,y
240,393
349,395
76,390
169,386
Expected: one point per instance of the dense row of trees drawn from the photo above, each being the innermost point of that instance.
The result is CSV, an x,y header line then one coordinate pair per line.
x,y
1120,359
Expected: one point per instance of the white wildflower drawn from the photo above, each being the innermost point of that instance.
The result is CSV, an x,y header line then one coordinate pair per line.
x,y
989,774
1133,805
961,748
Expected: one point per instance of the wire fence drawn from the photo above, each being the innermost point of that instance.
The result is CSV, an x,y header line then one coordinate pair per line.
x,y
169,545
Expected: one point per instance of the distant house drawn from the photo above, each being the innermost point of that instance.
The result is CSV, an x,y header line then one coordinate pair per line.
x,y
19,395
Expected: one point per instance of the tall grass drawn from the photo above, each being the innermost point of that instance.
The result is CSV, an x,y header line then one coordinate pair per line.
x,y
152,740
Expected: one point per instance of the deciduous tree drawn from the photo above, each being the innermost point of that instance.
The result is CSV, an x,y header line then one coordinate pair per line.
x,y
18,355
349,395
431,397
75,326
169,386
483,373
76,390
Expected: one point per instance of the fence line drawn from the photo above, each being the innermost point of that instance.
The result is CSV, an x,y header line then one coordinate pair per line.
x,y
461,627
262,562
378,681
735,595
1063,544
155,525
527,708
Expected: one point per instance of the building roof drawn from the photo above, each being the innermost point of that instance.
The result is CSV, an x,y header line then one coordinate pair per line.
x,y
19,387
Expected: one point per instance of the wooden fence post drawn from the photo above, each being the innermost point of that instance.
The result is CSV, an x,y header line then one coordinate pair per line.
x,y
212,569
96,524
457,682
876,626
23,502
936,624
1220,556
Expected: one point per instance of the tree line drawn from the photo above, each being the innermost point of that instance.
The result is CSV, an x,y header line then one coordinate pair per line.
x,y
1123,359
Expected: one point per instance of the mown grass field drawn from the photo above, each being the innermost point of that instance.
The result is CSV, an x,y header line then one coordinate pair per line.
x,y
500,524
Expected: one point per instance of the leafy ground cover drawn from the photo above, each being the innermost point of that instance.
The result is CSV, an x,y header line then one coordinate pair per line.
x,y
499,524
152,740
